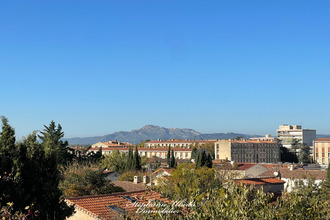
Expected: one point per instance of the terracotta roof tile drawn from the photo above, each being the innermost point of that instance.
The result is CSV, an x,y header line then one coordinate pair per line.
x,y
299,173
130,186
98,205
181,141
323,139
168,170
245,166
260,181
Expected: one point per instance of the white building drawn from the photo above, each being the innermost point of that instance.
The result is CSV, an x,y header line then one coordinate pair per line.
x,y
287,133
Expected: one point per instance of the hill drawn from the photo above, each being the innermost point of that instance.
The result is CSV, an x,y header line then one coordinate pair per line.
x,y
153,132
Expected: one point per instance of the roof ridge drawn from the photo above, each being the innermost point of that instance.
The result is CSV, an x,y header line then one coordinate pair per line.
x,y
103,195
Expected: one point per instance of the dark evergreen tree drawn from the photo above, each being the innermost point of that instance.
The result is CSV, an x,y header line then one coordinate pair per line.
x,y
204,158
198,161
194,154
172,162
137,159
328,173
208,162
287,156
169,156
51,141
304,153
130,160
34,178
8,159
98,156
7,147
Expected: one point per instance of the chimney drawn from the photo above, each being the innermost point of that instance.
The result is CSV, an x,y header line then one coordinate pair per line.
x,y
145,179
291,167
136,179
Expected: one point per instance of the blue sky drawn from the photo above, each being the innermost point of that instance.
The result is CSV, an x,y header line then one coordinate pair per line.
x,y
97,67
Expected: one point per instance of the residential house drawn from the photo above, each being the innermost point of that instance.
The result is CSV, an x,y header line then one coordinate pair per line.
x,y
111,206
291,174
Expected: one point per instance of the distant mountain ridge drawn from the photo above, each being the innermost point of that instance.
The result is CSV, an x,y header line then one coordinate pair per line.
x,y
153,132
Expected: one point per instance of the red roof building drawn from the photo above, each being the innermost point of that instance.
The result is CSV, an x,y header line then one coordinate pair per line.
x,y
111,206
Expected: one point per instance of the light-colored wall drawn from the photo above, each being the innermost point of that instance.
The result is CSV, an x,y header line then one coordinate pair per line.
x,y
80,215
290,184
99,144
255,171
321,152
222,149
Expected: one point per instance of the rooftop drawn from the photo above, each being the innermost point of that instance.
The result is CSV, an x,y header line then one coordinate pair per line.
x,y
130,186
181,141
260,181
298,173
168,170
323,139
105,206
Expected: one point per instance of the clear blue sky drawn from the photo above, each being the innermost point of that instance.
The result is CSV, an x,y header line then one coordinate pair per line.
x,y
97,67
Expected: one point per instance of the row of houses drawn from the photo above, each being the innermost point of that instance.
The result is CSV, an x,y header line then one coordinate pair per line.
x,y
273,178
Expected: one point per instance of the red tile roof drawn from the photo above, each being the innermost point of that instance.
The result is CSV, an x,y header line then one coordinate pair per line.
x,y
253,141
98,205
260,181
130,186
181,141
323,139
299,173
140,149
245,166
168,170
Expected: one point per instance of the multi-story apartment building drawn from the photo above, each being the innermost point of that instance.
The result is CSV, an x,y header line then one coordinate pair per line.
x,y
247,151
321,151
176,143
111,144
179,153
287,133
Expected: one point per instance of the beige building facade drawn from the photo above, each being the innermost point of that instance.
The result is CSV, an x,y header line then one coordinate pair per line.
x,y
179,153
177,143
321,151
247,151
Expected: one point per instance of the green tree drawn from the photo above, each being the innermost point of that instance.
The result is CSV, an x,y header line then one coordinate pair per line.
x,y
51,141
287,156
169,157
328,173
188,183
130,160
204,158
116,161
194,153
34,178
7,147
137,159
80,180
172,161
304,153
210,148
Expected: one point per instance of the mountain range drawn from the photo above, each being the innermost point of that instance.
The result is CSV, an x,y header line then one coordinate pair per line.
x,y
153,132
